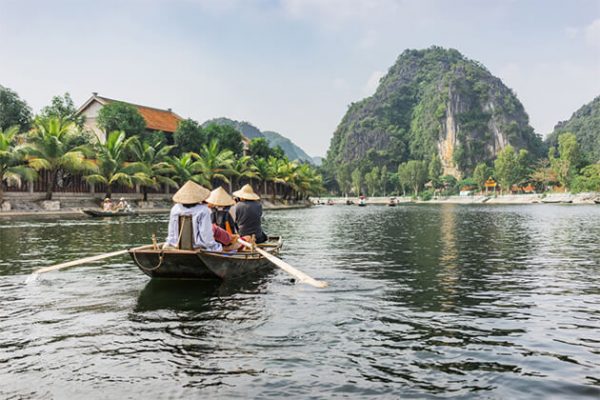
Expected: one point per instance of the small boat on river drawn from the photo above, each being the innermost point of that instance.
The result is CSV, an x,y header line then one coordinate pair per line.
x,y
392,202
200,264
102,213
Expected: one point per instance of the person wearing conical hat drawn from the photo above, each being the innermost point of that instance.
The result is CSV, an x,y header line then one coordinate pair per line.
x,y
190,200
247,213
220,203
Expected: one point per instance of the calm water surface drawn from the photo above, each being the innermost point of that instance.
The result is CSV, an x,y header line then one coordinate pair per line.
x,y
425,301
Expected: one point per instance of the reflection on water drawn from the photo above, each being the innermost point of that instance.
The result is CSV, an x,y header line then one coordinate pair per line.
x,y
425,301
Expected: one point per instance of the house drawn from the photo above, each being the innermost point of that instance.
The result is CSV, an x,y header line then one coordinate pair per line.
x,y
156,119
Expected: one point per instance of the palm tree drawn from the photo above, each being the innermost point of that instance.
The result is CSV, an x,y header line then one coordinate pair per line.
x,y
309,182
186,168
215,163
54,148
151,160
264,172
12,160
242,168
112,166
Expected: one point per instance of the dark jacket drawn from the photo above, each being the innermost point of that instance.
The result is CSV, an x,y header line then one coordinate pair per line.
x,y
247,216
222,218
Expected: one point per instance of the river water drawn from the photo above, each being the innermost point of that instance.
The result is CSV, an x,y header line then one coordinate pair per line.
x,y
424,301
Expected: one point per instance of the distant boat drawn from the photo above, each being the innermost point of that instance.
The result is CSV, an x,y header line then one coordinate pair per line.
x,y
101,213
597,201
392,202
362,202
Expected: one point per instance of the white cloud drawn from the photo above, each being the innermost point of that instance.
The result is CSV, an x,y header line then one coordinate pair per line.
x,y
592,33
372,83
571,32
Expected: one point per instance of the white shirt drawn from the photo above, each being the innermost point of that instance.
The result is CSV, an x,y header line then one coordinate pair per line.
x,y
201,224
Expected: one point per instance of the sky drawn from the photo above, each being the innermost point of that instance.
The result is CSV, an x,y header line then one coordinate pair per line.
x,y
291,66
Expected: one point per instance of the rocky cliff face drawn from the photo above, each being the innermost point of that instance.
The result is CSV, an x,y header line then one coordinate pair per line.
x,y
585,124
434,101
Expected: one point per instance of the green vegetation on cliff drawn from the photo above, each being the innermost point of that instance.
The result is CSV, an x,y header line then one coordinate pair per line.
x,y
433,102
585,125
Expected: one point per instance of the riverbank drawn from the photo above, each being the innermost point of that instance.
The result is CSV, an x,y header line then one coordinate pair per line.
x,y
549,198
73,205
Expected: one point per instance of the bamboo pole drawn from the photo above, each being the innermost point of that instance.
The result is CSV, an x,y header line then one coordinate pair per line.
x,y
73,263
301,276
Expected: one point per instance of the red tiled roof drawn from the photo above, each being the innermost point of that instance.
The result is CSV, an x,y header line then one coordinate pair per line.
x,y
156,119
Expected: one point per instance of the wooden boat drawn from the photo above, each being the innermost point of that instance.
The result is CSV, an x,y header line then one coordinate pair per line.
x,y
392,202
102,213
597,201
200,264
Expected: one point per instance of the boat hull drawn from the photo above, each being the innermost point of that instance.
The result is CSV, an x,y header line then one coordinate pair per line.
x,y
198,264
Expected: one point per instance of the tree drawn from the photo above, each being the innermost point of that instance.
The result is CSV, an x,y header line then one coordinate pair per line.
x,y
588,180
186,168
542,175
241,168
189,136
63,108
568,155
417,174
119,116
435,170
357,181
13,110
264,172
112,167
151,160
383,180
403,177
343,176
215,163
259,147
481,174
54,147
227,137
372,180
510,167
13,167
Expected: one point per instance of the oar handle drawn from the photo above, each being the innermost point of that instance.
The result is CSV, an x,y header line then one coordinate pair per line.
x,y
301,276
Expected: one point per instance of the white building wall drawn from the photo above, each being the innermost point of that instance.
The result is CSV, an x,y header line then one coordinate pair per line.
x,y
91,115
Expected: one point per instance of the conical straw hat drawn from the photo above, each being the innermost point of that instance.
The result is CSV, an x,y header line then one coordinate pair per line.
x,y
191,193
246,193
220,197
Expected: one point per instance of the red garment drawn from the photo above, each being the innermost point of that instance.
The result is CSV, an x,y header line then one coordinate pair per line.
x,y
221,235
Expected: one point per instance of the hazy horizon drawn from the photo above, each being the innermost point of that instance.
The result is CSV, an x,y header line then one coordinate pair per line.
x,y
291,66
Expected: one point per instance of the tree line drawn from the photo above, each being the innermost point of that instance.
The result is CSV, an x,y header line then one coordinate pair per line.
x,y
514,171
57,142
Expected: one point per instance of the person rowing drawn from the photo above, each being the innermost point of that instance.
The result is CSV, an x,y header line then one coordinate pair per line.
x,y
247,214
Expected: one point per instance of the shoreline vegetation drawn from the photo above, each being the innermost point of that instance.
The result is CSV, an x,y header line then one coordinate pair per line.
x,y
540,198
74,205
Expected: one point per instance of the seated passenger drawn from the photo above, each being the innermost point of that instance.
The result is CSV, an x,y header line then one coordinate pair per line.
x,y
220,203
247,214
224,227
122,205
189,199
107,205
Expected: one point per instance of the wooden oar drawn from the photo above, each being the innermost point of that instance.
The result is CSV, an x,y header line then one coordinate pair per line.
x,y
56,267
301,276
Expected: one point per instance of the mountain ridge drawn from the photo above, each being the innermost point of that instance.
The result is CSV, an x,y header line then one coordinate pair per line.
x,y
290,149
434,102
